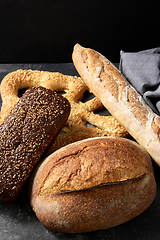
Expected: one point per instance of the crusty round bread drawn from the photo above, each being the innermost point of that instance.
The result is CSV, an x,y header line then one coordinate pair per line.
x,y
92,184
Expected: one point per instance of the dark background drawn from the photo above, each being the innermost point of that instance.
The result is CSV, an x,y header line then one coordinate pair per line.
x,y
46,30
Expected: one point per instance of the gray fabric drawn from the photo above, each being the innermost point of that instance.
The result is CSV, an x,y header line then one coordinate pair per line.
x,y
142,70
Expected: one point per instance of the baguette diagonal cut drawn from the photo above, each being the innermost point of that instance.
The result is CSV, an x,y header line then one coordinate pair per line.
x,y
120,98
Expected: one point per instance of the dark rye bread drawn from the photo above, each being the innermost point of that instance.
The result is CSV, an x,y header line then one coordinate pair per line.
x,y
26,133
92,184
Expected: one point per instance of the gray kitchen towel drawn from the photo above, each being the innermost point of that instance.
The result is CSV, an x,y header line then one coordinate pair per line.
x,y
142,70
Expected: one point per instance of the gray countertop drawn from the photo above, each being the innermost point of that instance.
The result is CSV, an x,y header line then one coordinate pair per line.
x,y
18,221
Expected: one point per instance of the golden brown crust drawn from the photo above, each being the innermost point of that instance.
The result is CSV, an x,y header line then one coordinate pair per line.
x,y
89,210
83,165
74,87
77,133
120,98
97,176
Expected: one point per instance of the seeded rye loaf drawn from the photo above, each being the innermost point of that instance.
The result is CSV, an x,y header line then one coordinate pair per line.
x,y
26,133
92,184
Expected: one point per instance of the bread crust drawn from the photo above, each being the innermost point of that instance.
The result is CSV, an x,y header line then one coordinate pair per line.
x,y
73,88
26,133
120,98
92,184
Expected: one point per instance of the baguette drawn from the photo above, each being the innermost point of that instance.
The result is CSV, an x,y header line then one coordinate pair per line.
x,y
26,133
120,98
92,184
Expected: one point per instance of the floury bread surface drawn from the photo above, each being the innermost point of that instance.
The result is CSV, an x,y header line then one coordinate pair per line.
x,y
26,133
120,98
92,184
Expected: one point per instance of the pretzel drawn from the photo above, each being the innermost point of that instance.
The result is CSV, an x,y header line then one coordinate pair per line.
x,y
74,88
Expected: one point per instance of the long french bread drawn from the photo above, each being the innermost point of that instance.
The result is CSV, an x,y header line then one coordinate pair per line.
x,y
120,98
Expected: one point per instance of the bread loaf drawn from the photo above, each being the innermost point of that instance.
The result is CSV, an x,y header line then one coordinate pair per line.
x,y
92,184
120,98
26,133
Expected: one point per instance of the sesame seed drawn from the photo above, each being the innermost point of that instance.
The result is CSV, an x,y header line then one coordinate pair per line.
x,y
26,133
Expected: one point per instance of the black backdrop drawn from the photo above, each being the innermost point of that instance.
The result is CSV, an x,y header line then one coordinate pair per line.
x,y
46,30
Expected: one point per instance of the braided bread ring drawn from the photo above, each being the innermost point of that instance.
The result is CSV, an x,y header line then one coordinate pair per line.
x,y
74,88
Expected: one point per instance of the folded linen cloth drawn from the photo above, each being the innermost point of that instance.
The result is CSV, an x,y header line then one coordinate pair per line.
x,y
142,70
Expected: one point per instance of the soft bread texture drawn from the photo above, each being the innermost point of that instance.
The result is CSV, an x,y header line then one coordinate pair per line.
x,y
26,133
120,98
92,184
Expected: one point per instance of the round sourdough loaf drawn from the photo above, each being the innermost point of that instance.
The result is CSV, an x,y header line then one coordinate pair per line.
x,y
92,184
